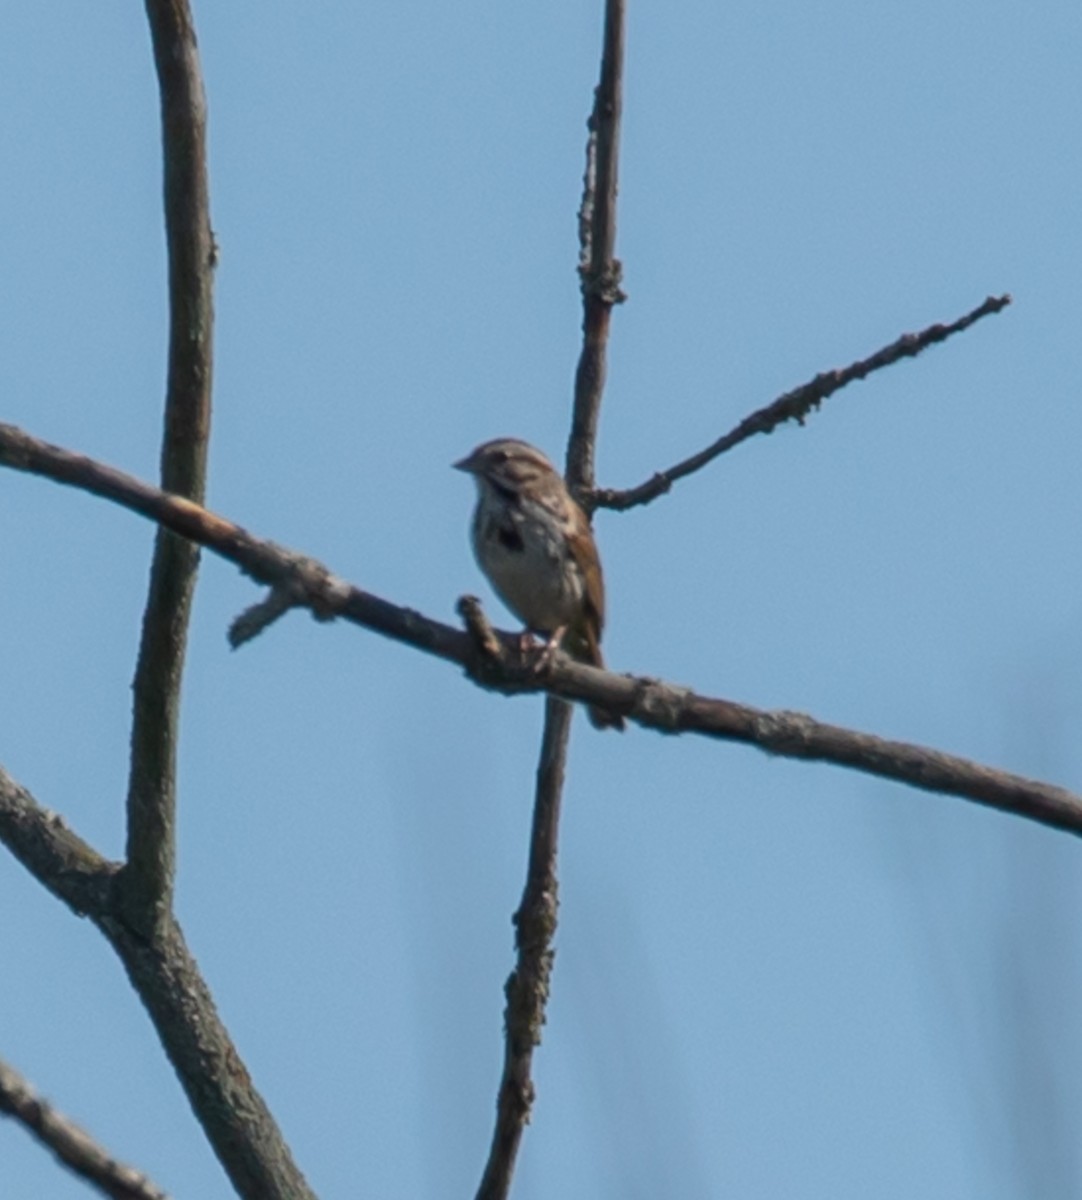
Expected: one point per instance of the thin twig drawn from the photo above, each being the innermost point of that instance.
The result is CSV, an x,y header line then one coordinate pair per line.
x,y
650,703
237,1122
793,406
527,988
71,1144
151,850
259,616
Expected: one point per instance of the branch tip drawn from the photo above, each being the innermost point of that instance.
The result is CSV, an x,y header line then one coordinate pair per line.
x,y
796,405
479,628
257,617
70,1143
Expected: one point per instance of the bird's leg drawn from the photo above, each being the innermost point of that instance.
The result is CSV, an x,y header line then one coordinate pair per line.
x,y
548,651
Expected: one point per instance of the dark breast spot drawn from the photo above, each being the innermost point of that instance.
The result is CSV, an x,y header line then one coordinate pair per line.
x,y
510,539
493,530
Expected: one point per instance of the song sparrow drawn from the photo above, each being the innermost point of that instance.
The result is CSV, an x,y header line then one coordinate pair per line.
x,y
535,546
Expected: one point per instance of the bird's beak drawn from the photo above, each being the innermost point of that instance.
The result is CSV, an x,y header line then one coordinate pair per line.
x,y
465,464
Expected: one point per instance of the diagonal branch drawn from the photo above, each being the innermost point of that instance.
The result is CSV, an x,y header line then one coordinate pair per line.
x,y
527,988
796,405
58,858
151,852
72,1145
237,1122
234,1116
651,703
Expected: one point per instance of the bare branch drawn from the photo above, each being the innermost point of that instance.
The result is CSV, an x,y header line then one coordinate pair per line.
x,y
73,1146
649,702
479,628
313,584
251,623
599,269
234,1116
527,988
58,858
793,406
151,853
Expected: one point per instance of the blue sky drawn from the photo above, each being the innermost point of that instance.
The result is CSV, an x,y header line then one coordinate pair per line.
x,y
772,979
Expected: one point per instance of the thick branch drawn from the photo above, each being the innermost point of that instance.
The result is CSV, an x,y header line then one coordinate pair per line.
x,y
73,1146
148,874
233,1115
793,406
650,703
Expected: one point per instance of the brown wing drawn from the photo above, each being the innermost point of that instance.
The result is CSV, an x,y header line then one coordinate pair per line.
x,y
584,551
587,642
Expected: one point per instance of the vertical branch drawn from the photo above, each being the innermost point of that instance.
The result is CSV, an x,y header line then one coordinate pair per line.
x,y
147,938
599,269
151,852
527,988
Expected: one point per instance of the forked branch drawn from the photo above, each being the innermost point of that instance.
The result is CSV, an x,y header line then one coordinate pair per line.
x,y
235,1118
132,902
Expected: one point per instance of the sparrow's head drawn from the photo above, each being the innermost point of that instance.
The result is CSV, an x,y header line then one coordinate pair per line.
x,y
507,465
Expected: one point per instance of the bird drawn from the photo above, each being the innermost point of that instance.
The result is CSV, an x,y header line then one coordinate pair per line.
x,y
534,544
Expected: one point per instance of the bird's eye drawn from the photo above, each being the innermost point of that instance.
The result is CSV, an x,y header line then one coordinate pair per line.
x,y
499,456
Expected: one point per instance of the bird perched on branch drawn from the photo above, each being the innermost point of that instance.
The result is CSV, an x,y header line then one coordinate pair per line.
x,y
536,548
